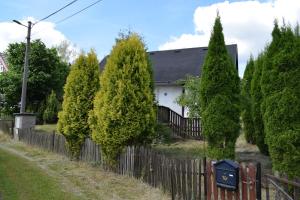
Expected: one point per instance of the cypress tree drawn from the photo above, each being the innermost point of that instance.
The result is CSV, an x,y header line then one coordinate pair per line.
x,y
79,91
219,97
124,109
281,92
256,99
247,103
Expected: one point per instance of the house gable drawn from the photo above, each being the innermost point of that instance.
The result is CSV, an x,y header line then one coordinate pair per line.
x,y
170,66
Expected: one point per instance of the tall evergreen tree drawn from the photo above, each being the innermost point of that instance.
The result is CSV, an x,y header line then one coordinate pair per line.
x,y
124,109
257,99
219,97
247,103
79,92
281,93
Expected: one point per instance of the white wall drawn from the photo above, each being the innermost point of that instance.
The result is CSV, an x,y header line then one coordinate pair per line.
x,y
166,96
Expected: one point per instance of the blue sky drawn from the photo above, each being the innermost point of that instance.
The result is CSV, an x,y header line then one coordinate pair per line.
x,y
164,24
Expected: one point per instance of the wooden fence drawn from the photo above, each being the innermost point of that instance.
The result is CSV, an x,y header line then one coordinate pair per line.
x,y
183,178
249,185
181,126
6,126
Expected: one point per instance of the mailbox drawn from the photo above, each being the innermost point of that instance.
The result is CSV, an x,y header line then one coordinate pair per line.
x,y
227,174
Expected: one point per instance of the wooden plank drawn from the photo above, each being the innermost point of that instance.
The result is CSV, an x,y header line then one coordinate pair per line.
x,y
183,167
194,173
229,195
252,178
222,194
189,180
244,182
208,180
215,188
178,178
199,179
237,192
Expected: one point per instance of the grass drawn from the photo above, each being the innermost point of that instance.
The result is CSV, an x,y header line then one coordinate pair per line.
x,y
20,179
79,178
48,128
182,148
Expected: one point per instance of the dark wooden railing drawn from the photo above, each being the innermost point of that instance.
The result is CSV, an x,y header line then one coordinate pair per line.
x,y
181,126
284,188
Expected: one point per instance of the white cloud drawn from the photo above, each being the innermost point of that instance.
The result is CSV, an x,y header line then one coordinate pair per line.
x,y
246,23
11,32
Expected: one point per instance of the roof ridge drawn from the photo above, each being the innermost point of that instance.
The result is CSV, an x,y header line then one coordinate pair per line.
x,y
188,48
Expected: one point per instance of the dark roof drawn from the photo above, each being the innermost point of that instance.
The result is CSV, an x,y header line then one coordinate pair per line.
x,y
172,65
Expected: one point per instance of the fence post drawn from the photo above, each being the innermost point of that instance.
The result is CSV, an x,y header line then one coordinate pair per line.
x,y
205,177
12,128
267,189
172,182
258,181
53,140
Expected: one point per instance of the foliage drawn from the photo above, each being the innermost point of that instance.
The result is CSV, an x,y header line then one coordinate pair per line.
x,y
65,51
51,109
219,97
124,109
247,103
281,92
191,97
79,91
46,72
256,99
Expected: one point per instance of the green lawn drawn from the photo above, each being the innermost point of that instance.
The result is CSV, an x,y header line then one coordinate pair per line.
x,y
49,128
182,148
19,179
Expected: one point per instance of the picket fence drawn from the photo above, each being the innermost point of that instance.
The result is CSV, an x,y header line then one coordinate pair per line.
x,y
185,179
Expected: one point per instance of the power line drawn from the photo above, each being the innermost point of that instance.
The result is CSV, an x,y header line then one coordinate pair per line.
x,y
56,11
64,19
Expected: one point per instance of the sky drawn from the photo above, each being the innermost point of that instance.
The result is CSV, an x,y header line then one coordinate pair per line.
x,y
163,24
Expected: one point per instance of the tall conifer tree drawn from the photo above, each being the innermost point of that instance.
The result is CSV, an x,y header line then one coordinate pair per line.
x,y
79,92
257,99
281,93
247,103
219,97
124,109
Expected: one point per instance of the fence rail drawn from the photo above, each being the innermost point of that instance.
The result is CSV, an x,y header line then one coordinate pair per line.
x,y
284,189
181,126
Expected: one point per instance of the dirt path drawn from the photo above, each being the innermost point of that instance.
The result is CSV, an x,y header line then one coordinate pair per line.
x,y
83,180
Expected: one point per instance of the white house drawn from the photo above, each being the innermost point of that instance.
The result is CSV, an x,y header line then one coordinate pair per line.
x,y
170,66
3,66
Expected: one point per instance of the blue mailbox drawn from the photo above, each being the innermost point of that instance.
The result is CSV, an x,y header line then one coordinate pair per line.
x,y
227,174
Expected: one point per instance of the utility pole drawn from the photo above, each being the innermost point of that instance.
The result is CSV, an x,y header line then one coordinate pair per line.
x,y
24,120
25,72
